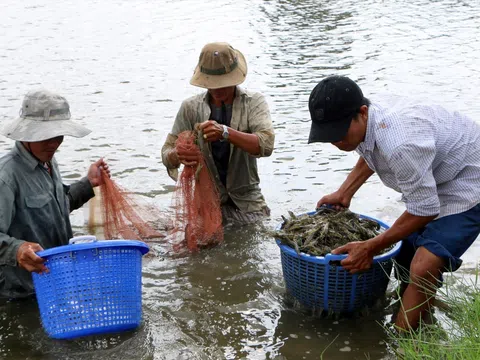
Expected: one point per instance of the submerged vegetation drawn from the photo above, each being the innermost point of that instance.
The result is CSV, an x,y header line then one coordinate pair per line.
x,y
318,234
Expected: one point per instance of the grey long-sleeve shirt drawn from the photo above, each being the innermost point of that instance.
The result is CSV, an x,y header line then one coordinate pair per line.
x,y
34,206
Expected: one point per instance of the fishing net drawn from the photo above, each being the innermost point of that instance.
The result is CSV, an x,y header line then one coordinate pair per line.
x,y
196,201
123,217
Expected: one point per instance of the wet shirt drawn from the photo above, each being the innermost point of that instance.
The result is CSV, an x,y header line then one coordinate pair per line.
x,y
221,149
34,207
250,114
429,154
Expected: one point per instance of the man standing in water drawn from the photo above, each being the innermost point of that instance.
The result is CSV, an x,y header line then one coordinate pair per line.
x,y
34,203
428,154
236,128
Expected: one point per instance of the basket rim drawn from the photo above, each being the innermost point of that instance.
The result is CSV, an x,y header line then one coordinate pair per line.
x,y
331,257
141,246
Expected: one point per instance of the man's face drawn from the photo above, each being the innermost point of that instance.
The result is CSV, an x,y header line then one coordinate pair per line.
x,y
222,94
44,150
356,132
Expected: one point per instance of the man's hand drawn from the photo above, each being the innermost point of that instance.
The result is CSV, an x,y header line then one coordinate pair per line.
x,y
337,200
212,131
187,157
360,256
27,259
94,173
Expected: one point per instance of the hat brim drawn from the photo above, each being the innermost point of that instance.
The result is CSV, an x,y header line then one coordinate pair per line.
x,y
233,78
329,132
23,129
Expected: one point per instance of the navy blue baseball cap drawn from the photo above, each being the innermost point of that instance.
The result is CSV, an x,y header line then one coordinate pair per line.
x,y
333,103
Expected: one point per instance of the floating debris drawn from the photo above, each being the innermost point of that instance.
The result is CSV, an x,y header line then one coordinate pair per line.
x,y
318,234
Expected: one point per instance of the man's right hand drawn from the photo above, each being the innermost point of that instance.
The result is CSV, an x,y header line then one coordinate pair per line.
x,y
184,156
27,259
337,200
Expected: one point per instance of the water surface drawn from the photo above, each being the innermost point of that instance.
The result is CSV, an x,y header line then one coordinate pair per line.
x,y
125,67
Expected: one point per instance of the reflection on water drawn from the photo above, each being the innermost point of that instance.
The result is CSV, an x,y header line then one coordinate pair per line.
x,y
221,294
23,338
125,65
308,336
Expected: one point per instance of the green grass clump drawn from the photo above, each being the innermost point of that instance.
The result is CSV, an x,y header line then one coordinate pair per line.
x,y
455,337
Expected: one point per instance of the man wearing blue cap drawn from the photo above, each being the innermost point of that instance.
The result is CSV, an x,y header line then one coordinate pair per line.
x,y
427,153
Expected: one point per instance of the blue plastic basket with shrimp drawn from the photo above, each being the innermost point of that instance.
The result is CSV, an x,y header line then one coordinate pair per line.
x,y
322,283
92,287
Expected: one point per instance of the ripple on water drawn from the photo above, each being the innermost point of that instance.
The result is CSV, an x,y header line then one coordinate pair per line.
x,y
416,47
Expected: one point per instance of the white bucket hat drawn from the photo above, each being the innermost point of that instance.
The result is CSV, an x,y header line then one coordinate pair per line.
x,y
44,115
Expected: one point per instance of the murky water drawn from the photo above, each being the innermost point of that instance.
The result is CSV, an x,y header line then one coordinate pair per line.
x,y
125,67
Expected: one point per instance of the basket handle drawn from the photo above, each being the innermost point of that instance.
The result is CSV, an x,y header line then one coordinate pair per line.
x,y
82,239
332,257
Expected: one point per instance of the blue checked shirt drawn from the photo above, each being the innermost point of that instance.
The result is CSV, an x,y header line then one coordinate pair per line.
x,y
427,153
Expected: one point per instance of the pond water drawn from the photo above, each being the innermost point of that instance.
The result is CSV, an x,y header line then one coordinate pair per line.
x,y
125,67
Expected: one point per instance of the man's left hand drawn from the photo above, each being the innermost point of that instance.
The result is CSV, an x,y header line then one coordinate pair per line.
x,y
94,173
360,256
212,131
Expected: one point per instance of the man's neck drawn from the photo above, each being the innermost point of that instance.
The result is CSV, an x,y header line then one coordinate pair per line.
x,y
26,145
227,101
219,104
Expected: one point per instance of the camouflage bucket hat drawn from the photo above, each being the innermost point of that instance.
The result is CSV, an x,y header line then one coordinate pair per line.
x,y
219,66
44,115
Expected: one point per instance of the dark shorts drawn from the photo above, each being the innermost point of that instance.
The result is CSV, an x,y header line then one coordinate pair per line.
x,y
448,237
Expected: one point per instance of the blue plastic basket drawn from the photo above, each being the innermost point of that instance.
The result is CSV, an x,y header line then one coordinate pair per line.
x,y
92,288
320,282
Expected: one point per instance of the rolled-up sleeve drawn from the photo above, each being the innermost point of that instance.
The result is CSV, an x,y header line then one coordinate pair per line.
x,y
167,147
412,167
260,124
8,245
183,122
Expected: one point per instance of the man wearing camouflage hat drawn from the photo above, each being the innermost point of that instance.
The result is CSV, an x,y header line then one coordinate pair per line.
x,y
237,129
34,203
429,154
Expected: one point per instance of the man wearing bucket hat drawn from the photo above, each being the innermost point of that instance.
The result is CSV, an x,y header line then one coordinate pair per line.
x,y
34,204
236,127
427,153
